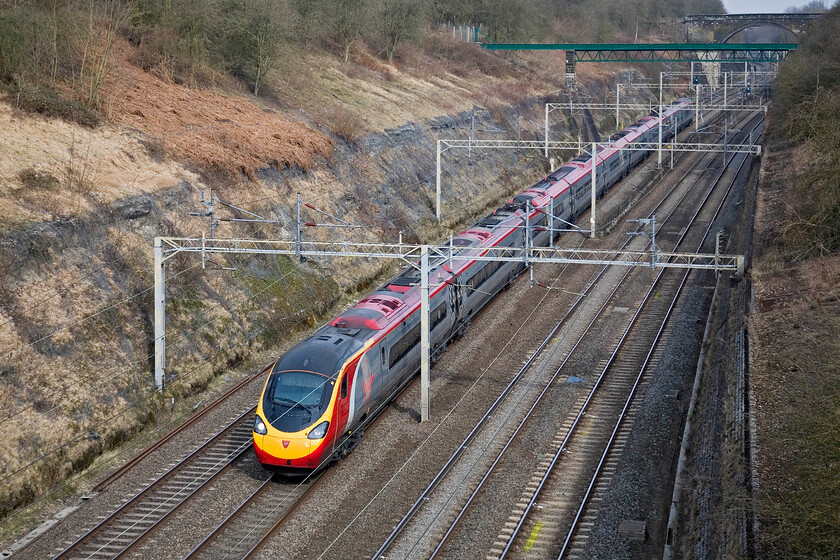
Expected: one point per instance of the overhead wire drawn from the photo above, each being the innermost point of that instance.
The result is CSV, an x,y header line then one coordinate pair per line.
x,y
426,440
424,180
143,396
40,281
171,342
60,389
90,316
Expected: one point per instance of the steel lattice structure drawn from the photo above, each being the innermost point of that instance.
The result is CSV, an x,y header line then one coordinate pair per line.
x,y
170,246
468,143
660,52
430,256
573,106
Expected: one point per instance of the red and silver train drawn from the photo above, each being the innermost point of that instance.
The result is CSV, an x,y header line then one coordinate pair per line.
x,y
322,393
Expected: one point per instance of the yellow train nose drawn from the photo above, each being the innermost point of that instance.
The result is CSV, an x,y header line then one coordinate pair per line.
x,y
287,447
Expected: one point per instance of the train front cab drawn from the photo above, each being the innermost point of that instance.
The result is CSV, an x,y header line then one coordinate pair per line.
x,y
302,411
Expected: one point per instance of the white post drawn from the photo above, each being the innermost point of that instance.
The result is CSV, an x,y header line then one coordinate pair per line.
x,y
299,236
692,71
745,74
527,241
160,315
659,151
424,333
725,80
594,176
697,109
437,184
546,130
616,106
527,236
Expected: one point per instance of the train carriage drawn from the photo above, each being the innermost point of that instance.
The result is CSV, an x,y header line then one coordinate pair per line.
x,y
320,395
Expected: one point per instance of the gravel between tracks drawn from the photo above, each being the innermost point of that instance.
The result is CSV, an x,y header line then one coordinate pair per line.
x,y
365,495
91,511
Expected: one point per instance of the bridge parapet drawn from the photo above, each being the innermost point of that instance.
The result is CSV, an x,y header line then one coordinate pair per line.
x,y
719,27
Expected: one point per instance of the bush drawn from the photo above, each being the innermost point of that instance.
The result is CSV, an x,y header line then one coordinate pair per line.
x,y
21,43
38,180
43,100
344,123
806,112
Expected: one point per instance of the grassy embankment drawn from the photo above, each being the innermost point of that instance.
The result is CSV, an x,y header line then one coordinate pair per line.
x,y
795,328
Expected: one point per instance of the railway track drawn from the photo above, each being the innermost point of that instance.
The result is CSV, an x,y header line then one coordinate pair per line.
x,y
205,411
244,530
600,439
125,528
426,496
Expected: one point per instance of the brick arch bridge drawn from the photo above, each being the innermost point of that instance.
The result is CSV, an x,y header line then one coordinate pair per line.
x,y
719,28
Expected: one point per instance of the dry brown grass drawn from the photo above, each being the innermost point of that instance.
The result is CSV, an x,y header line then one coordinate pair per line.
x,y
89,166
208,128
343,123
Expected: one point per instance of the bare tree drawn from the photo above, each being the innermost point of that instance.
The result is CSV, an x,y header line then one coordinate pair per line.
x,y
346,20
396,21
56,13
266,29
96,41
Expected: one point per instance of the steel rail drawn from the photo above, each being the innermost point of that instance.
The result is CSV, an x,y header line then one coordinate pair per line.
x,y
267,535
430,488
452,527
186,497
119,472
149,489
643,369
205,542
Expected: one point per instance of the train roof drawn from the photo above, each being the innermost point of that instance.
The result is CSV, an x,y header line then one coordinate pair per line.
x,y
396,299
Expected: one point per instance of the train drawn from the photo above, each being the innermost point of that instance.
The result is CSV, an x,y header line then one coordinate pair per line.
x,y
320,396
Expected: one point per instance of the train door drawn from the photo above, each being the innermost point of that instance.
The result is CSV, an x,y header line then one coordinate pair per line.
x,y
457,299
344,402
440,321
365,387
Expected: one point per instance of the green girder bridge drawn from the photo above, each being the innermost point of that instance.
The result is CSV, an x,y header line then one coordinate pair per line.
x,y
657,52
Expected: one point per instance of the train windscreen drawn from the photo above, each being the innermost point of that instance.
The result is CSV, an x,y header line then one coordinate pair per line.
x,y
300,387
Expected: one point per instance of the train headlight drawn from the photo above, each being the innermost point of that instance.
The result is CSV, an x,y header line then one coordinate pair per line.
x,y
319,431
259,426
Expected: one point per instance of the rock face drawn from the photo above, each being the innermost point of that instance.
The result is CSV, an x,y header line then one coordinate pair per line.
x,y
133,207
